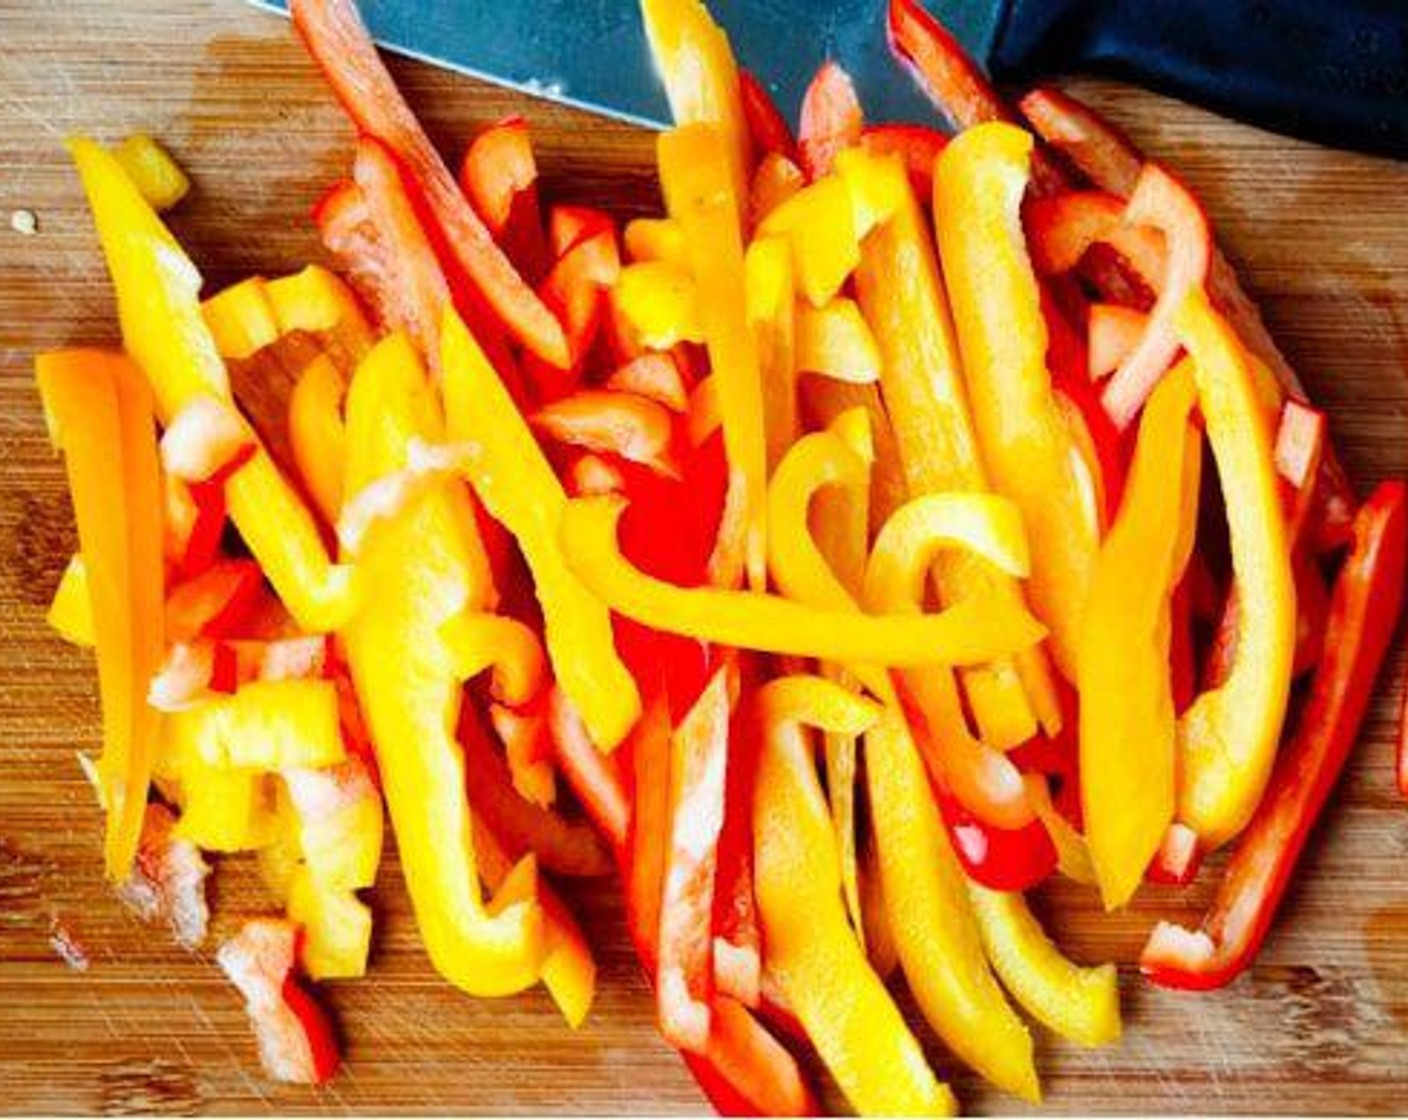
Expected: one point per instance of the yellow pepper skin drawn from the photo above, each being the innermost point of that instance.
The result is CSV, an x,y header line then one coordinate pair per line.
x,y
656,239
819,222
158,302
70,613
771,309
1081,1004
811,950
241,319
516,483
903,298
696,64
931,917
222,810
427,566
1227,739
337,928
660,300
1126,698
697,195
974,630
979,181
824,400
319,302
270,725
318,435
151,168
834,340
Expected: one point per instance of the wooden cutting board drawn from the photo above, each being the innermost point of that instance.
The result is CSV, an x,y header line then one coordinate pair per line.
x,y
1320,1025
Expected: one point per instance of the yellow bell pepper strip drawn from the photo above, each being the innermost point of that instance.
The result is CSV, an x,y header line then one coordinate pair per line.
x,y
428,567
1227,739
1127,722
515,482
1080,1004
656,239
971,631
660,301
827,982
1072,854
222,810
931,917
270,725
569,970
698,196
152,170
241,319
71,610
317,301
696,64
336,928
162,329
318,434
819,223
834,340
978,187
771,311
902,296
824,400
100,415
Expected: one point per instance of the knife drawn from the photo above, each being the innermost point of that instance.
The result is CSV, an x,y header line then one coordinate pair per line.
x,y
1335,71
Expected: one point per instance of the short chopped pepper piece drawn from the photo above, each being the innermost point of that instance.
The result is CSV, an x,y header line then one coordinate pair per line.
x,y
71,610
151,168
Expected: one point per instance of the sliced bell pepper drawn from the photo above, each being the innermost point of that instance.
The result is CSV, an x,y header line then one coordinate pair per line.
x,y
1161,200
168,877
771,308
768,130
1227,738
1366,602
318,302
738,953
1026,444
976,629
834,340
335,37
656,239
842,1004
831,120
698,195
528,749
575,289
70,613
696,64
931,916
819,222
241,319
152,170
428,566
1127,719
500,177
157,293
1062,230
684,981
335,929
901,293
660,301
205,438
215,603
1081,1004
517,486
1114,333
824,401
99,412
917,147
627,425
775,181
1178,859
595,776
222,810
269,725
656,377
318,434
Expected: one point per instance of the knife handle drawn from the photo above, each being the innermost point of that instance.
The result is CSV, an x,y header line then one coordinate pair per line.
x,y
1335,71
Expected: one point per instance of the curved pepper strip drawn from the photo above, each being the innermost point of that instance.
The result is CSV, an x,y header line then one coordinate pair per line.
x,y
158,305
811,951
1127,720
1364,610
931,917
99,413
1227,739
515,482
428,567
1081,1004
978,187
973,630
318,435
697,195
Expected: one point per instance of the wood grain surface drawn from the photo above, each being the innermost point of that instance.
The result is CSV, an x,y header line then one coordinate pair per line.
x,y
1321,1025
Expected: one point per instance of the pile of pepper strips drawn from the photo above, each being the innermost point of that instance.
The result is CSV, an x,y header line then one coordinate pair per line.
x,y
847,595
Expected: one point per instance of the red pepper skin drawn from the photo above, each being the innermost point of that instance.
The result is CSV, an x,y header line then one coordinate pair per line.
x,y
767,127
500,177
1000,859
216,603
1364,610
917,146
831,120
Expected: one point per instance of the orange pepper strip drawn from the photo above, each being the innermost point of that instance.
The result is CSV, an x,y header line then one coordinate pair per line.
x,y
771,309
978,187
901,292
515,482
318,434
699,197
71,610
100,412
811,951
162,329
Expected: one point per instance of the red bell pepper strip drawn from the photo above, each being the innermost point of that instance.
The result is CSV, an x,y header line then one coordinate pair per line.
x,y
215,603
738,958
202,544
1000,859
1162,201
767,128
1179,858
626,425
1062,229
1364,611
500,177
1114,331
917,146
655,376
336,38
594,775
950,78
831,120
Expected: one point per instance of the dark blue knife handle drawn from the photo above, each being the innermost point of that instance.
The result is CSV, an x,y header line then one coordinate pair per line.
x,y
1335,71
